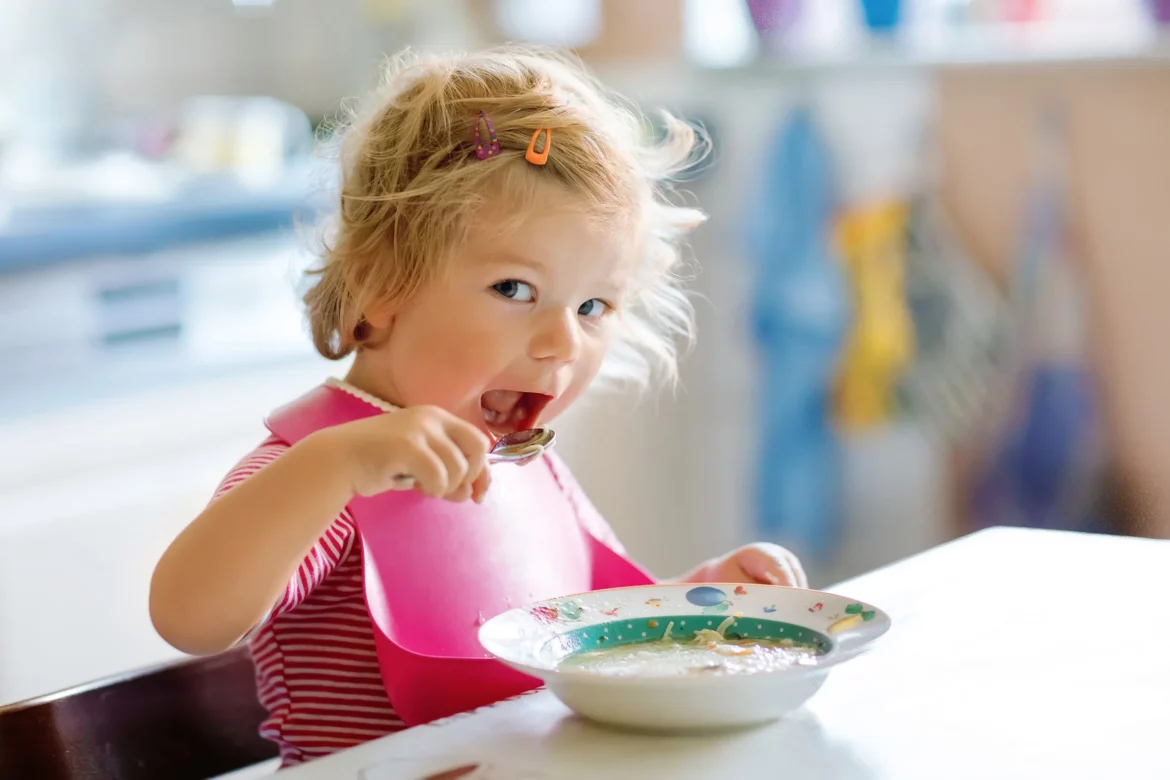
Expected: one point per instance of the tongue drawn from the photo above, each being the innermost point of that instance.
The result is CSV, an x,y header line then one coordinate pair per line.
x,y
501,401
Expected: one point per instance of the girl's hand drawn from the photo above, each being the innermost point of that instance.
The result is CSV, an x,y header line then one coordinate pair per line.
x,y
444,454
760,563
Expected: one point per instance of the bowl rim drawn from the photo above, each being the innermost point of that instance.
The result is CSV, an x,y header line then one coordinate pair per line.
x,y
834,657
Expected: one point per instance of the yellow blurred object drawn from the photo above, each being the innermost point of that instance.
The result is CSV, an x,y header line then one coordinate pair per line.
x,y
872,244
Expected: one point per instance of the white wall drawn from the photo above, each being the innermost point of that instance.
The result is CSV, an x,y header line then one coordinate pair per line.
x,y
89,499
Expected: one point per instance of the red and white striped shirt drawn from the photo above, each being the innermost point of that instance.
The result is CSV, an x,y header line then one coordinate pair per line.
x,y
316,666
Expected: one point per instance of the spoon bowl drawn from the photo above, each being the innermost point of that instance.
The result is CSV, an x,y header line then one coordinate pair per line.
x,y
522,446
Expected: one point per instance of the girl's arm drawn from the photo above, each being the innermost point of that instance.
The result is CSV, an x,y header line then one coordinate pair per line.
x,y
224,572
227,569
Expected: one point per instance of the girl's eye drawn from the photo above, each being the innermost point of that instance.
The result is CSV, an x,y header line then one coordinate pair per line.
x,y
594,307
515,290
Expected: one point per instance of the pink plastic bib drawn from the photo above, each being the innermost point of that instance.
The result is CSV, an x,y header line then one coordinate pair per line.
x,y
434,570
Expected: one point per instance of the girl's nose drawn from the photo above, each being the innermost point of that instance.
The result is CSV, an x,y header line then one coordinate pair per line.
x,y
558,338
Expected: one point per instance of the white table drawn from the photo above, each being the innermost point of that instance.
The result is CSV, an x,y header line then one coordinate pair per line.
x,y
1014,654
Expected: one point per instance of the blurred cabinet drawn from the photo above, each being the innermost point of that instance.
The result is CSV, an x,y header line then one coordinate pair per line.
x,y
104,326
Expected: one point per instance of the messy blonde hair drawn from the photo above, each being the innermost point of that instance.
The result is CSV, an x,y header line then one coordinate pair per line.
x,y
410,183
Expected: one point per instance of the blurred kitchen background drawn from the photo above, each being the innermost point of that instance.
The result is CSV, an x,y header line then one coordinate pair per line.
x,y
930,294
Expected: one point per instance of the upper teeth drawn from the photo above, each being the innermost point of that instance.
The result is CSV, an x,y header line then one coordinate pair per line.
x,y
499,418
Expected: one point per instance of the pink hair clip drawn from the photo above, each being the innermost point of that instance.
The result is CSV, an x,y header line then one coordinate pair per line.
x,y
493,147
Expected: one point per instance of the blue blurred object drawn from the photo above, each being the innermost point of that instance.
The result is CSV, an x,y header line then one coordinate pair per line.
x,y
801,316
882,16
1046,465
1037,478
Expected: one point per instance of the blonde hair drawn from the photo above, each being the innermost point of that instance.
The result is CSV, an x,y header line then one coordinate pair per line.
x,y
410,183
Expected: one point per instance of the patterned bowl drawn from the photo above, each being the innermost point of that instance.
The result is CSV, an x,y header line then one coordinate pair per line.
x,y
535,639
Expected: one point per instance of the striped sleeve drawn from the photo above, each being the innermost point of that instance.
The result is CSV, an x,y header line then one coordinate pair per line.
x,y
590,518
332,548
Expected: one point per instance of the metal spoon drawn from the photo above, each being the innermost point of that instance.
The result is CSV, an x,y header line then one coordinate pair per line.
x,y
519,448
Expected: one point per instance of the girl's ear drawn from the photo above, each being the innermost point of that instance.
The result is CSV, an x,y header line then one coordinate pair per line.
x,y
375,325
380,319
379,315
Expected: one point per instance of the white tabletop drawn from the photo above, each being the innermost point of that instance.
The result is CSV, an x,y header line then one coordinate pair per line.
x,y
1014,654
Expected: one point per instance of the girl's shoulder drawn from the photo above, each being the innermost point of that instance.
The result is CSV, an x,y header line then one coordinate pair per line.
x,y
267,451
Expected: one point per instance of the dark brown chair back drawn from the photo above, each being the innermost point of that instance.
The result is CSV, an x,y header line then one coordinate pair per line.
x,y
186,721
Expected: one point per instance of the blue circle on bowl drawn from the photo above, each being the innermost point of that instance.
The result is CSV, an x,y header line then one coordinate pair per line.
x,y
706,596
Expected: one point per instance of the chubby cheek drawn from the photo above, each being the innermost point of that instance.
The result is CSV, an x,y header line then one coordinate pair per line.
x,y
440,365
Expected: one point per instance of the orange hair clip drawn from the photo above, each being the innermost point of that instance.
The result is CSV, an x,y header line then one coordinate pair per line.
x,y
533,156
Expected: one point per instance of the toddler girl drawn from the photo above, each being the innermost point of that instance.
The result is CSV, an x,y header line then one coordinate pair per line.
x,y
503,238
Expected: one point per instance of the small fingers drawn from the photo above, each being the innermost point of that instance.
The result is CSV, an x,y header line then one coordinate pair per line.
x,y
471,442
800,579
429,472
460,493
474,446
480,487
788,563
771,564
455,463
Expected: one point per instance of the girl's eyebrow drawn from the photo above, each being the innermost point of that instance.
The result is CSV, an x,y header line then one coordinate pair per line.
x,y
508,258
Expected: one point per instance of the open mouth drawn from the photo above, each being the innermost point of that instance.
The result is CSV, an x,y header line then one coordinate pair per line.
x,y
508,411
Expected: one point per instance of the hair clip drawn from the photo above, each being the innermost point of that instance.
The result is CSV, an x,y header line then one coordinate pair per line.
x,y
493,147
533,156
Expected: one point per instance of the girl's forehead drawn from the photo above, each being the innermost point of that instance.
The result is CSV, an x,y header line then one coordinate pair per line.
x,y
557,227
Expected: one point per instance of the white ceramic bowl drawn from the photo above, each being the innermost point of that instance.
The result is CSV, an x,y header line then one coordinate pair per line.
x,y
536,638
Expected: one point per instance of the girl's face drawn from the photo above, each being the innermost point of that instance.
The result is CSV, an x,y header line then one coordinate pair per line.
x,y
516,332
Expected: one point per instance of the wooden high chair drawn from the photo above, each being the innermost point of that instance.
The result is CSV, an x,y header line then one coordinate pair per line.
x,y
195,719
